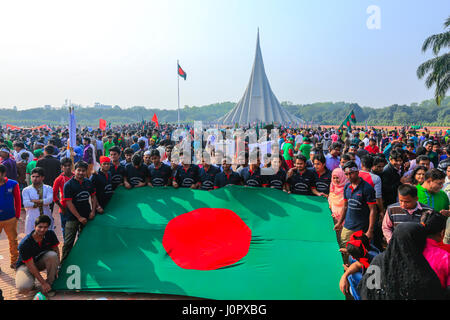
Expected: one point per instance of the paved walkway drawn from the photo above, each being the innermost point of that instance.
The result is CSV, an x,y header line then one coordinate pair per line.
x,y
7,275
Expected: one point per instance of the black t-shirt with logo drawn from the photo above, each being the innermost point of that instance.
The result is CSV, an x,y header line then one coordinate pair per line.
x,y
252,178
30,249
302,183
103,187
79,193
136,175
207,177
277,180
117,174
159,177
222,179
186,178
323,181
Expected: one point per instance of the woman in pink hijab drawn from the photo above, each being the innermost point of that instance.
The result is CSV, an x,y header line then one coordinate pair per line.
x,y
336,196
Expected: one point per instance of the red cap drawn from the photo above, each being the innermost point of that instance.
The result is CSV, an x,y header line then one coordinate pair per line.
x,y
104,159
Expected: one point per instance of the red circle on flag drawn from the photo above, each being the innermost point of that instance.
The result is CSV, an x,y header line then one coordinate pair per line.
x,y
207,239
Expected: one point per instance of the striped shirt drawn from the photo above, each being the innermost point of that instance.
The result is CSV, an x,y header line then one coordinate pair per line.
x,y
396,215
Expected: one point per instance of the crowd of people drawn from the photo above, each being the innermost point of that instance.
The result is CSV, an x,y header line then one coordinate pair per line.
x,y
388,192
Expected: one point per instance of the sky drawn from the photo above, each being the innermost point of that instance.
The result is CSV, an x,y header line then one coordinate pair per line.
x,y
125,52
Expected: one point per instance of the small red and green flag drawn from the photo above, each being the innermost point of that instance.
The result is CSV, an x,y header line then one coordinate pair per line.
x,y
181,72
352,117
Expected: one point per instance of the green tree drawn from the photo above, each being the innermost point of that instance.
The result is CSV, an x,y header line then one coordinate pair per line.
x,y
438,68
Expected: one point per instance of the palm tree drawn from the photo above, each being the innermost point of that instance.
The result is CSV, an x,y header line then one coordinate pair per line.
x,y
438,67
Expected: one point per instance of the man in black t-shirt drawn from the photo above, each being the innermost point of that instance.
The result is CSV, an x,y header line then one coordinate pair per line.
x,y
117,170
207,175
227,176
79,192
136,174
322,175
299,179
186,175
103,184
278,179
159,173
38,251
252,176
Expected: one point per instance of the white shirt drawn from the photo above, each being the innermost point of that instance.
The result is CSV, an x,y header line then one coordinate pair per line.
x,y
30,193
17,155
99,145
366,141
145,140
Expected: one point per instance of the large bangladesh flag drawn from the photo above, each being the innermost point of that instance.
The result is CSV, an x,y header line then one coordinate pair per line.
x,y
231,243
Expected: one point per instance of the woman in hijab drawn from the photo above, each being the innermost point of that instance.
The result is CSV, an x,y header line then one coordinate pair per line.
x,y
404,273
336,197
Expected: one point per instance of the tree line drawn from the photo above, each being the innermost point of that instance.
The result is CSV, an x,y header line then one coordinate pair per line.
x,y
326,113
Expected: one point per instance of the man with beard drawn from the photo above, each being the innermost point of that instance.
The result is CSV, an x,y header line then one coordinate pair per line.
x,y
37,199
299,179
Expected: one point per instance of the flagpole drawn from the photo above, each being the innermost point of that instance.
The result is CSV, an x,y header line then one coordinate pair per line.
x,y
69,142
178,78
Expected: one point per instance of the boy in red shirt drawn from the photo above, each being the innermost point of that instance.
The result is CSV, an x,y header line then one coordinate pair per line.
x,y
58,187
372,148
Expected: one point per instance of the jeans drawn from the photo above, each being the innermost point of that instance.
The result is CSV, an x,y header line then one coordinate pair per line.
x,y
354,280
63,223
72,229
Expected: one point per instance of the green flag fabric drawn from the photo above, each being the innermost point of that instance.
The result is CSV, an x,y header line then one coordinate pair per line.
x,y
236,242
181,72
352,117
